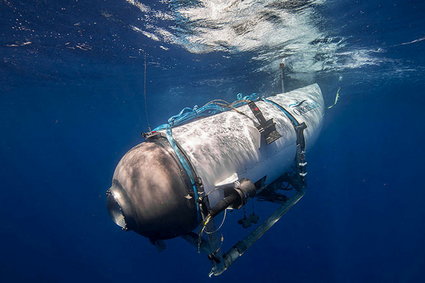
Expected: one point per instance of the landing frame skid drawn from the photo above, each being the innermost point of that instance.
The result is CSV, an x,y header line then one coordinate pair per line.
x,y
222,261
237,250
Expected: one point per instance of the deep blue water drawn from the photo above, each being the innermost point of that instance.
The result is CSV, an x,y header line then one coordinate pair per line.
x,y
71,86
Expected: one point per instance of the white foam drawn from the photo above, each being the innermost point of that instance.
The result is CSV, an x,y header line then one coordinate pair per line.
x,y
142,7
270,29
145,33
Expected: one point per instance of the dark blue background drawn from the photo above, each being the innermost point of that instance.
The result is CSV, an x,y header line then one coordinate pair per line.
x,y
67,116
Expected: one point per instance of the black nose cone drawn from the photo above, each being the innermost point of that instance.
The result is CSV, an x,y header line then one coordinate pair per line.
x,y
151,194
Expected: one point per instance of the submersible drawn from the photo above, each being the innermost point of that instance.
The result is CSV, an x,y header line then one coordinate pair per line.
x,y
210,159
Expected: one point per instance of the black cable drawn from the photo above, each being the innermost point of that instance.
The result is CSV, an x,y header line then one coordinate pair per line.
x,y
145,96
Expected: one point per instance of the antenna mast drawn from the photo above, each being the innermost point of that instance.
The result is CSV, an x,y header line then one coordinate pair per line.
x,y
145,95
282,74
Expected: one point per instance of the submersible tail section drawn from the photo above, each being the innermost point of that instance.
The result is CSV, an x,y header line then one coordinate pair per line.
x,y
217,157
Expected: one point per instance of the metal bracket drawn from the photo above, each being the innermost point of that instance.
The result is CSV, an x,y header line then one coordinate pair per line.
x,y
267,128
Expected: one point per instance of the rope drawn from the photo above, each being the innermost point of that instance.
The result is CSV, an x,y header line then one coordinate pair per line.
x,y
213,107
221,224
204,227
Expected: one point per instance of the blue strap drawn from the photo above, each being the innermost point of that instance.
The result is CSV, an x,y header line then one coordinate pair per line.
x,y
186,166
294,121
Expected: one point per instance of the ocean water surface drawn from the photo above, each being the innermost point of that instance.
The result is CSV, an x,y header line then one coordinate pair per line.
x,y
72,103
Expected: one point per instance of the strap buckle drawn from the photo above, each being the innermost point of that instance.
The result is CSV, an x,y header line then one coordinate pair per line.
x,y
267,128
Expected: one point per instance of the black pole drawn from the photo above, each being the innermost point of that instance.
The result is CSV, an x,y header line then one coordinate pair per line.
x,y
282,66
